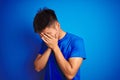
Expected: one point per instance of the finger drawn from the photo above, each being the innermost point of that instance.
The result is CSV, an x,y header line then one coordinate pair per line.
x,y
44,40
40,35
56,35
48,35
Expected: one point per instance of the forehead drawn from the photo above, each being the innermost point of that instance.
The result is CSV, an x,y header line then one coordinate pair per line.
x,y
48,30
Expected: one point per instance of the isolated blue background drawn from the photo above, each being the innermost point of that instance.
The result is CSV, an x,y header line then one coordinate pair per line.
x,y
96,21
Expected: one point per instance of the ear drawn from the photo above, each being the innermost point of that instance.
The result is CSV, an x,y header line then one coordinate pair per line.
x,y
57,25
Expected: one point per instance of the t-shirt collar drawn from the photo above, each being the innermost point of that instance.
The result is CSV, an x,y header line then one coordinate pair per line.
x,y
59,41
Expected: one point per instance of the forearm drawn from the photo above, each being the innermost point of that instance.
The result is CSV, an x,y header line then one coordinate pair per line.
x,y
41,62
63,63
70,67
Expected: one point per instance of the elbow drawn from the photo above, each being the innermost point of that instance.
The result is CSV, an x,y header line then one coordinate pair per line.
x,y
37,67
70,73
70,77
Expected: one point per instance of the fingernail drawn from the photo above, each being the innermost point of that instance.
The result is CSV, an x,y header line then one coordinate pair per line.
x,y
41,33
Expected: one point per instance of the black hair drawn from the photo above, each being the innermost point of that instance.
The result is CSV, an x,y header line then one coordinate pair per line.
x,y
44,18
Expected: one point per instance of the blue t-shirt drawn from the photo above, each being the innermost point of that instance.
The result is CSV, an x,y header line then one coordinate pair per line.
x,y
70,46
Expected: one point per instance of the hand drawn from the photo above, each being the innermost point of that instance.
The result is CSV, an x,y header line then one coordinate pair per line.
x,y
50,41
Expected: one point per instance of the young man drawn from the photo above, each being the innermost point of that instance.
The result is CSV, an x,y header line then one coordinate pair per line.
x,y
61,53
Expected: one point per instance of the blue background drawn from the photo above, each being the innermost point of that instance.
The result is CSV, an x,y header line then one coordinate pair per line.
x,y
96,21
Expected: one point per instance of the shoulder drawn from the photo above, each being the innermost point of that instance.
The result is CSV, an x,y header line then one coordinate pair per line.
x,y
75,40
42,43
74,37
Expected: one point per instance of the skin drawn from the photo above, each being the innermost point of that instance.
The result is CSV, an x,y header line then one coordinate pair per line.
x,y
50,36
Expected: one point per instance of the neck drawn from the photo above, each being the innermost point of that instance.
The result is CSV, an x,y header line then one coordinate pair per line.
x,y
61,34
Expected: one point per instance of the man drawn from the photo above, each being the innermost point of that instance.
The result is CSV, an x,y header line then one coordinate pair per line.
x,y
61,53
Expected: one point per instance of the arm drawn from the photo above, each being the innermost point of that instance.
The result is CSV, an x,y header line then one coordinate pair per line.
x,y
70,67
41,60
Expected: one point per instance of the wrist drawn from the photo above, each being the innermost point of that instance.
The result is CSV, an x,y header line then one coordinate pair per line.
x,y
55,48
49,49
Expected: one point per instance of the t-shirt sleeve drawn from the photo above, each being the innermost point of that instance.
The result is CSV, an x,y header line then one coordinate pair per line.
x,y
78,49
43,47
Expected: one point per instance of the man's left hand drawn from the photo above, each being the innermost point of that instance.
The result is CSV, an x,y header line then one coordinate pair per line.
x,y
50,41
